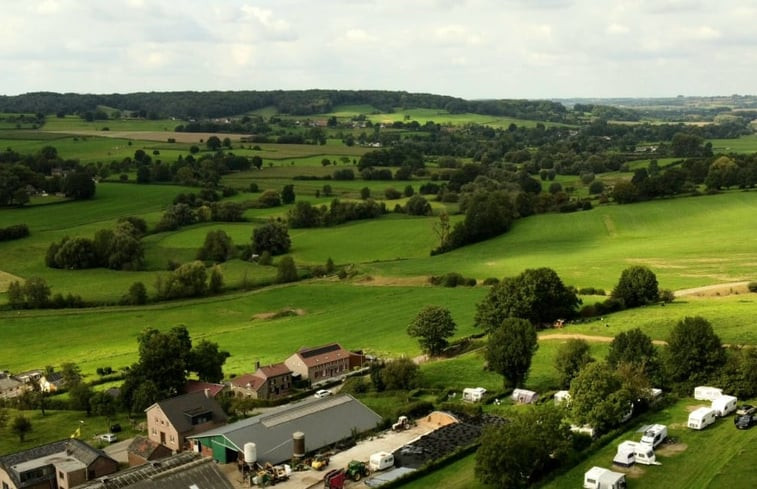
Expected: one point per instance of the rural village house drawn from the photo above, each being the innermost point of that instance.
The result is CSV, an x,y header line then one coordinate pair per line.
x,y
323,362
58,465
214,390
268,382
11,386
170,421
51,382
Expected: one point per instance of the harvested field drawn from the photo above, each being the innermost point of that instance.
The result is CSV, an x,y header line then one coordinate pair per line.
x,y
6,279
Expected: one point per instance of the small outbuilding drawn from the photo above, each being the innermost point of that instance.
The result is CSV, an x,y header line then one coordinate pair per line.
x,y
523,396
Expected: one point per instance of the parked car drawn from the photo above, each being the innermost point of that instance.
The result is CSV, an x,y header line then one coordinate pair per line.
x,y
320,394
745,409
108,437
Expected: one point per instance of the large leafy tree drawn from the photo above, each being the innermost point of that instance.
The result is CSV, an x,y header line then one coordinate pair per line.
x,y
537,295
400,374
635,348
207,360
272,237
510,349
598,397
432,326
571,358
637,286
79,185
517,453
694,353
218,247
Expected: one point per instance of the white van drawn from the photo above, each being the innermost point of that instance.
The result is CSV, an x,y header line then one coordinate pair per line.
x,y
381,461
654,435
724,405
701,418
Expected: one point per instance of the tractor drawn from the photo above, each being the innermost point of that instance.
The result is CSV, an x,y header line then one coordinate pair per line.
x,y
319,462
356,470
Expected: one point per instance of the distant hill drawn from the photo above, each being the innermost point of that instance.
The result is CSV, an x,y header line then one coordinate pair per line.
x,y
296,102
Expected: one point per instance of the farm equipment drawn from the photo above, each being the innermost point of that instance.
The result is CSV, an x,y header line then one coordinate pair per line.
x,y
356,470
319,462
334,479
402,424
269,475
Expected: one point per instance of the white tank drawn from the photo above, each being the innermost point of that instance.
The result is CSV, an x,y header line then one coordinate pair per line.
x,y
250,453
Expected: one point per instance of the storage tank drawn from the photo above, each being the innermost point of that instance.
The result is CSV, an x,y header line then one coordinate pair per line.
x,y
298,444
250,453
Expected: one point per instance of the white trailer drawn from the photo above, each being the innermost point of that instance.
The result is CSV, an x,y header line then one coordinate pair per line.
x,y
630,452
701,418
707,393
473,394
562,397
724,405
601,478
654,435
524,396
380,461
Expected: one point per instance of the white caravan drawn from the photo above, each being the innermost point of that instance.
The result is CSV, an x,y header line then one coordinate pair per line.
x,y
707,393
724,405
701,418
601,478
654,435
630,452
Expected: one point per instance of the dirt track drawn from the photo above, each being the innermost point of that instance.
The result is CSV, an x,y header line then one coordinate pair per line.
x,y
587,337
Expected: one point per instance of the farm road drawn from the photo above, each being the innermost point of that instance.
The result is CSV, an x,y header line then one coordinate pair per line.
x,y
587,337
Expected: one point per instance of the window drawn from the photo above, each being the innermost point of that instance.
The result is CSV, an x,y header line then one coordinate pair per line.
x,y
60,475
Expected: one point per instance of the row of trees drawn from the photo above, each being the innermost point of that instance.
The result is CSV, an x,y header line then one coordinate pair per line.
x,y
120,248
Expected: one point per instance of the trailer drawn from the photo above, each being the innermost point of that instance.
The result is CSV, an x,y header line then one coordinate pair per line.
x,y
601,478
724,405
701,418
473,394
707,393
380,461
562,397
654,435
630,452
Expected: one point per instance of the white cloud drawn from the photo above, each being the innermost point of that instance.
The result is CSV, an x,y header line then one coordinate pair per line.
x,y
617,29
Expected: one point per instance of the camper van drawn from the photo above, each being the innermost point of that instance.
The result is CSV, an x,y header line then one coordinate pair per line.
x,y
562,397
701,418
381,461
707,393
630,452
601,478
724,405
473,394
654,435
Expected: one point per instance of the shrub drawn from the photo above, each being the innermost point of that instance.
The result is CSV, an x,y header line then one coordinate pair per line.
x,y
16,231
752,286
392,194
491,281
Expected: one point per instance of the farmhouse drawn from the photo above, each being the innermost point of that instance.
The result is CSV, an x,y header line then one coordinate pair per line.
x,y
322,421
268,382
11,386
51,382
180,471
323,362
61,464
170,421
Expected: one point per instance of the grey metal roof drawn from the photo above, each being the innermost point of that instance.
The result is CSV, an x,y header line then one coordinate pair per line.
x,y
323,421
181,471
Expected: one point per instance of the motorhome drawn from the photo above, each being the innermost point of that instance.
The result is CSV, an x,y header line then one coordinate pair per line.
x,y
601,478
707,393
724,405
701,418
630,452
654,435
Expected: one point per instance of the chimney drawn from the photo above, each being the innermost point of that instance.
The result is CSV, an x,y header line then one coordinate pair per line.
x,y
207,393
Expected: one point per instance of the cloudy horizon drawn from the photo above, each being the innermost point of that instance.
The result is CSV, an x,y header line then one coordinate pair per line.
x,y
475,49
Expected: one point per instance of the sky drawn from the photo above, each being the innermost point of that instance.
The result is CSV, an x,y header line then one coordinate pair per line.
x,y
474,49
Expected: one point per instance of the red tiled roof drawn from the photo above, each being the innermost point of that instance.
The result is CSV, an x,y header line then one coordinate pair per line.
x,y
275,370
248,381
198,386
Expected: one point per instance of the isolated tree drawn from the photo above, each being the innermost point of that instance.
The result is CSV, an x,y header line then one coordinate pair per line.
x,y
137,294
207,360
597,397
213,143
20,426
432,326
273,237
518,453
694,353
418,206
510,348
287,194
571,357
215,281
286,270
637,286
37,292
536,294
400,374
189,280
218,247
103,404
270,198
16,296
80,395
365,193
